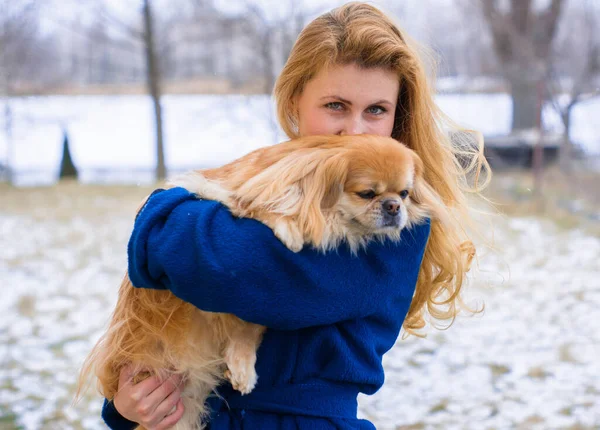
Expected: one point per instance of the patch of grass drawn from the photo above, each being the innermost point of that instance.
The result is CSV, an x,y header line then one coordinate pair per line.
x,y
8,421
566,411
415,426
498,370
8,385
440,407
569,200
68,199
530,421
56,420
26,305
58,347
565,354
538,373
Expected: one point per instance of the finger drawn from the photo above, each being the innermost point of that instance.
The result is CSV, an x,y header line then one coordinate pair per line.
x,y
171,384
151,400
172,419
168,405
141,390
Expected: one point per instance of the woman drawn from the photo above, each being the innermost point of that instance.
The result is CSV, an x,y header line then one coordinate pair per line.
x,y
330,317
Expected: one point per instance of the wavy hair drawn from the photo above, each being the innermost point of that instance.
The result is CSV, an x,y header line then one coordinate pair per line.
x,y
358,33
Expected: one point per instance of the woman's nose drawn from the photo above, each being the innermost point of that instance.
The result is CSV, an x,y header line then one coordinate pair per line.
x,y
352,126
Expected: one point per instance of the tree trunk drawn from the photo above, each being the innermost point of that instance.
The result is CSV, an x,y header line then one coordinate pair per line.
x,y
269,72
525,104
566,148
153,81
522,37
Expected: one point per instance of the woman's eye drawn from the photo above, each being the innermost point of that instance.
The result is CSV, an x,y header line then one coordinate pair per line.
x,y
403,194
334,106
367,195
376,110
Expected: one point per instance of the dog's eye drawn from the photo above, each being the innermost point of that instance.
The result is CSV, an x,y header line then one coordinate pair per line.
x,y
403,194
367,195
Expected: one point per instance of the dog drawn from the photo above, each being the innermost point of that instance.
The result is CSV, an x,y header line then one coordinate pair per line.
x,y
321,191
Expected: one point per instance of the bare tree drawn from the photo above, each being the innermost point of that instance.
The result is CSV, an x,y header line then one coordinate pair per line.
x,y
522,39
272,36
146,38
162,34
153,81
24,51
566,90
18,35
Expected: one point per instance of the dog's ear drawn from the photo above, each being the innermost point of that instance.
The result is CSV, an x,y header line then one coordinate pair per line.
x,y
301,185
418,164
325,184
321,189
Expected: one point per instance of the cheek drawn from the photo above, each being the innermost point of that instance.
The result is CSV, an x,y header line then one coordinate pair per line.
x,y
313,121
404,211
403,216
348,205
383,127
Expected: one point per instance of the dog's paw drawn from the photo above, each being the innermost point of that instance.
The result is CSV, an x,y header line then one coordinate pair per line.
x,y
240,358
289,234
242,380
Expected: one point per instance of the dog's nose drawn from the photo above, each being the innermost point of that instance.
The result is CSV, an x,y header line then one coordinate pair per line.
x,y
391,207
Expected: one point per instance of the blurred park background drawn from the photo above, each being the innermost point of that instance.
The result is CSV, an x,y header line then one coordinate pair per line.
x,y
100,100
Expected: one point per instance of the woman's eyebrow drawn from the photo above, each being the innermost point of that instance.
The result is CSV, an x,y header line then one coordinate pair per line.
x,y
348,102
337,98
382,102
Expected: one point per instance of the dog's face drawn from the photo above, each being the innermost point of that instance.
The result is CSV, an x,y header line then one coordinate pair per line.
x,y
379,182
377,200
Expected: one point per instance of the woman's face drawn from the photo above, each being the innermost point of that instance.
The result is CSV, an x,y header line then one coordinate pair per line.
x,y
348,100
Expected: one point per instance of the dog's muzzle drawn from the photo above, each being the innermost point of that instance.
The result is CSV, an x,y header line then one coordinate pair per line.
x,y
391,212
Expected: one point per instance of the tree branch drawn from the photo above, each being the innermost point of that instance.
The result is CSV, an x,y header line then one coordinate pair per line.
x,y
117,23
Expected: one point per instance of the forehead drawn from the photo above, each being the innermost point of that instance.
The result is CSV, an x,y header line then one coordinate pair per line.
x,y
354,83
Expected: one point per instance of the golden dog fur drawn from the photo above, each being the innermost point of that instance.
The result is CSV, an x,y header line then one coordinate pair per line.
x,y
320,190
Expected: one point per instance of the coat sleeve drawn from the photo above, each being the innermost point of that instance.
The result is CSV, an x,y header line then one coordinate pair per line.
x,y
113,419
220,263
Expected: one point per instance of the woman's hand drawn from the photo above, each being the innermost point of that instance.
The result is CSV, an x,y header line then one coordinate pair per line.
x,y
153,403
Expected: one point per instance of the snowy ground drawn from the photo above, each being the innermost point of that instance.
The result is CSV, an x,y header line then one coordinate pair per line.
x,y
528,362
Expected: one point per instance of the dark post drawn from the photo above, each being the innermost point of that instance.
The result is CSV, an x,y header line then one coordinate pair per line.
x,y
67,167
538,150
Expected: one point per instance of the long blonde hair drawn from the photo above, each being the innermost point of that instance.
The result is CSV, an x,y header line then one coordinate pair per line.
x,y
358,33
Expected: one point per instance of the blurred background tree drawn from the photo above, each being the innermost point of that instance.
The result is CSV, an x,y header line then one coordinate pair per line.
x,y
522,39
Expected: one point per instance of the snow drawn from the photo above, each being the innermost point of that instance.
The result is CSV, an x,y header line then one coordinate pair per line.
x,y
115,133
529,361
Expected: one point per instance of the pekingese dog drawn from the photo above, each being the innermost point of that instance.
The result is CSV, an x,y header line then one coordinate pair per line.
x,y
321,191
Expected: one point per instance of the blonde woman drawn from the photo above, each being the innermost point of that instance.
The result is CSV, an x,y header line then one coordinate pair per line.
x,y
331,317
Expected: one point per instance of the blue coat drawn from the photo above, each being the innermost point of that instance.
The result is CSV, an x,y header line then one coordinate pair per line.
x,y
331,317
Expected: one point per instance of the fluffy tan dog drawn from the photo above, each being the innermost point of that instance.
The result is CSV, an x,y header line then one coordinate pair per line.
x,y
320,190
